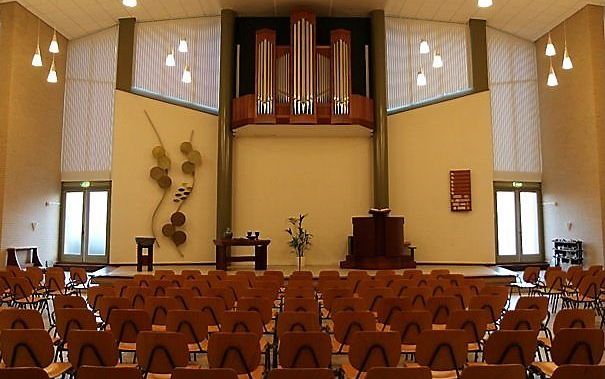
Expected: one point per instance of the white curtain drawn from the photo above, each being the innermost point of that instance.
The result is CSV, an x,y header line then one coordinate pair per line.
x,y
89,104
154,40
404,61
513,82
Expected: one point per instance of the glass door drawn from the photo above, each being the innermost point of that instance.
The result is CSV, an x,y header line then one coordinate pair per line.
x,y
85,222
519,231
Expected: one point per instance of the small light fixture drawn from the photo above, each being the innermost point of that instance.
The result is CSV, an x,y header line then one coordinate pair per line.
x,y
170,61
437,60
85,184
421,78
424,47
52,74
552,77
130,3
186,74
37,59
54,45
550,48
567,64
183,48
485,3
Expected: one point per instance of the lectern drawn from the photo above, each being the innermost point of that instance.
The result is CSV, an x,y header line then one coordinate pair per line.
x,y
378,243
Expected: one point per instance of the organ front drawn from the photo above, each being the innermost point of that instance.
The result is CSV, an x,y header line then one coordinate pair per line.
x,y
303,83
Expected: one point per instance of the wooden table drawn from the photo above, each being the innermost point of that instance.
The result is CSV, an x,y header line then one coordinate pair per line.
x,y
224,258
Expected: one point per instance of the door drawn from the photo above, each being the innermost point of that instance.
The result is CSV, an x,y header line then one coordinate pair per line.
x,y
519,230
85,219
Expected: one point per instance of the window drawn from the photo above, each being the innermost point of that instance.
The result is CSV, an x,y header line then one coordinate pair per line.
x,y
154,40
85,222
513,82
404,61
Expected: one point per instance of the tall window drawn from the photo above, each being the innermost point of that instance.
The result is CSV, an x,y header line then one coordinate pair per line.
x,y
89,104
155,40
404,61
513,82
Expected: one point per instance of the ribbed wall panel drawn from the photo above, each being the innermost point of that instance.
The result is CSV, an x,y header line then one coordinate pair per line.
x,y
89,105
513,81
154,40
404,60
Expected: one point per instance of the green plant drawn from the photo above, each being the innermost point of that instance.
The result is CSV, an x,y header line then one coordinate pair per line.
x,y
300,238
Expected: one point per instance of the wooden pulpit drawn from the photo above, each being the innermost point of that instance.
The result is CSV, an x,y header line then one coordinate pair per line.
x,y
378,243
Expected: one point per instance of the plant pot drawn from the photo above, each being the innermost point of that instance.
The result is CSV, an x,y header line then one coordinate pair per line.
x,y
300,263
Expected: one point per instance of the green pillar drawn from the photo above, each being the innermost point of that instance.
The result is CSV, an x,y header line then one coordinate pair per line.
x,y
381,138
225,136
125,54
478,54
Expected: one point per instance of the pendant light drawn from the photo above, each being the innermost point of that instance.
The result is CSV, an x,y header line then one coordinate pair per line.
x,y
567,64
183,48
437,60
186,74
170,61
54,45
421,78
552,77
37,58
424,47
550,48
485,3
130,3
52,74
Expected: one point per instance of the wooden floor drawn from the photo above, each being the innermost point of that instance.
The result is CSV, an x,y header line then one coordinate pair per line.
x,y
492,273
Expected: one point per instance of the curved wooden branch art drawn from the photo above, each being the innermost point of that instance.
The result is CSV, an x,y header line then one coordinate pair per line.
x,y
159,173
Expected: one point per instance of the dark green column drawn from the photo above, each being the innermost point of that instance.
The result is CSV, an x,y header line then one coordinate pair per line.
x,y
225,136
125,54
379,83
478,54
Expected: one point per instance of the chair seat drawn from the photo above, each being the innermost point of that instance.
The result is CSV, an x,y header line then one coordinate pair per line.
x,y
351,372
158,328
545,341
127,346
451,374
439,326
195,348
546,368
337,347
56,369
473,346
408,349
191,365
213,328
256,374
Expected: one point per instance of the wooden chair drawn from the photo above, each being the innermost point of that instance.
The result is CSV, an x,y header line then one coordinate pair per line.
x,y
162,274
301,373
441,308
399,372
474,324
248,322
22,373
193,325
92,348
108,304
346,324
93,294
328,298
142,280
371,349
529,281
494,372
14,318
264,307
510,347
412,274
297,304
462,293
305,350
553,288
443,351
236,351
419,296
191,274
225,292
158,286
23,295
372,296
567,319
213,308
410,325
137,296
388,306
78,279
67,301
158,307
494,305
296,322
438,286
198,287
439,273
579,371
161,352
126,324
399,285
70,320
521,319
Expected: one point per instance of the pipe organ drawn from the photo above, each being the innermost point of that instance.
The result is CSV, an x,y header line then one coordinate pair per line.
x,y
303,83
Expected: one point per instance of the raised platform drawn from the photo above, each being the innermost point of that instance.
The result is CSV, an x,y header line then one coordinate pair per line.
x,y
493,274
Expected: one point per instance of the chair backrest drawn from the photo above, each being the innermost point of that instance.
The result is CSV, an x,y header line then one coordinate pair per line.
x,y
577,346
26,348
296,304
574,318
66,301
418,296
411,274
410,325
399,372
473,322
494,305
438,273
476,285
388,306
297,322
162,274
438,286
191,274
372,296
236,285
95,293
511,347
158,308
494,372
399,285
142,280
370,283
589,288
374,349
237,351
69,320
91,372
455,280
555,280
209,373
539,303
54,280
334,293
264,307
78,276
35,275
192,324
305,350
442,350
199,287
463,293
217,274
137,296
301,373
521,319
126,324
14,318
441,308
23,372
161,352
579,371
21,288
329,275
531,274
212,307
279,275
225,292
348,304
159,286
299,292
301,275
242,321
494,290
346,324
92,348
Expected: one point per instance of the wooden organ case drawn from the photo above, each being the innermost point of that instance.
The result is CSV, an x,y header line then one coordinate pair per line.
x,y
303,83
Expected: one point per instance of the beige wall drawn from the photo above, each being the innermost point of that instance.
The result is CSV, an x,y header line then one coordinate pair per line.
x,y
573,134
31,118
278,177
424,145
135,194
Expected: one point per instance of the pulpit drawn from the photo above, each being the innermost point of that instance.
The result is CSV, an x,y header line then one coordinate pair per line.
x,y
378,243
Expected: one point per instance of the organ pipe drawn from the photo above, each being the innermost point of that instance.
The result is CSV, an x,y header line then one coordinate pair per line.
x,y
340,42
265,72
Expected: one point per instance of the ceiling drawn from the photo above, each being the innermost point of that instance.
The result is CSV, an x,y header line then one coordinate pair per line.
x,y
529,19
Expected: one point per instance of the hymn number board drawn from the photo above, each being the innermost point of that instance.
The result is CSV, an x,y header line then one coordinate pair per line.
x,y
460,191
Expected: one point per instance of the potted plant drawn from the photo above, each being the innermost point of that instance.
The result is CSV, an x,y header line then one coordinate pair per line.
x,y
300,238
